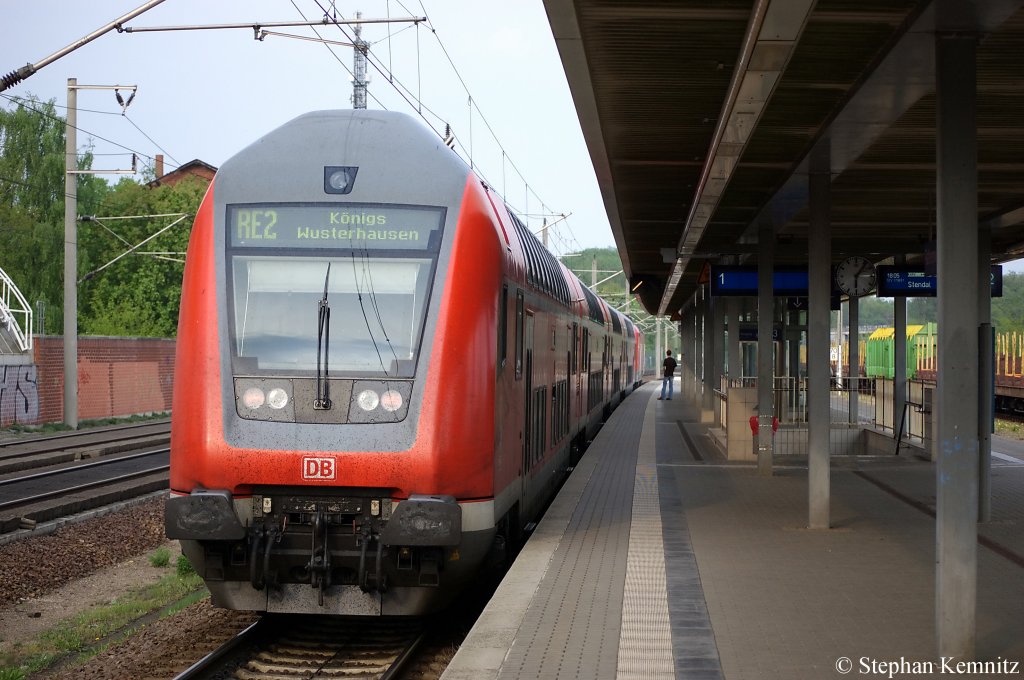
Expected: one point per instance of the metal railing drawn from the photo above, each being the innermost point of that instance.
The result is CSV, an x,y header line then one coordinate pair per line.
x,y
854,404
14,308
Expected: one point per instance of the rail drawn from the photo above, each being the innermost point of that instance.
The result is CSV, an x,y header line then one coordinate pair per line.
x,y
275,647
62,490
58,442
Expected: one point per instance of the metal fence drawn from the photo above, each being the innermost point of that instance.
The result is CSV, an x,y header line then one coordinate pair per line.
x,y
856,406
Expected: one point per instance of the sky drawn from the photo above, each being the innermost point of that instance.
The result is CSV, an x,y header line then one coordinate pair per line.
x,y
208,94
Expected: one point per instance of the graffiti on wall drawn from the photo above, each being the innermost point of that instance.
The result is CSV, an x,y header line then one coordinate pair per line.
x,y
19,394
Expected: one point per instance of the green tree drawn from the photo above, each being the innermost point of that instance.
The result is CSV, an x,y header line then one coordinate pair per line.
x,y
1008,310
139,294
32,158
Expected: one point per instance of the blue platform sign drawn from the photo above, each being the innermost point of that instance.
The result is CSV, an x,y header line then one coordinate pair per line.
x,y
913,282
742,280
749,333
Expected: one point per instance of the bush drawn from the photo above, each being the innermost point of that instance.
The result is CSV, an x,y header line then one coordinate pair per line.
x,y
184,567
161,557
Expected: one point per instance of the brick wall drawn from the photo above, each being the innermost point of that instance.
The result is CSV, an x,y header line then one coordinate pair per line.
x,y
116,377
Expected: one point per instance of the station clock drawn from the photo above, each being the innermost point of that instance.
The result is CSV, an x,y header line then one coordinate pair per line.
x,y
855,276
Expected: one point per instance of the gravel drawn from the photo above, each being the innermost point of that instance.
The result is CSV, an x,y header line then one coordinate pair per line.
x,y
46,567
35,566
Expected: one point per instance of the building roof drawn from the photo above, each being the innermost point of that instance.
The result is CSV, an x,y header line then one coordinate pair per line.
x,y
194,168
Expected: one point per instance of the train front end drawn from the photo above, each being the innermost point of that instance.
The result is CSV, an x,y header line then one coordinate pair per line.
x,y
318,463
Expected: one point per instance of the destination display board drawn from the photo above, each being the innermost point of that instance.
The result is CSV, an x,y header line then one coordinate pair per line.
x,y
896,281
742,280
334,225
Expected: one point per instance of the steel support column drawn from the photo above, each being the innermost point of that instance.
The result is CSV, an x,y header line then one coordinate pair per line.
x,y
818,324
956,569
765,347
986,386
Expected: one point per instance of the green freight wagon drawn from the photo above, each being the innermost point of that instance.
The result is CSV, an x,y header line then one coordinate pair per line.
x,y
878,360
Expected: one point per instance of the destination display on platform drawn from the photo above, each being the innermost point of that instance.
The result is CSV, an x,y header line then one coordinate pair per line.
x,y
914,282
742,280
334,225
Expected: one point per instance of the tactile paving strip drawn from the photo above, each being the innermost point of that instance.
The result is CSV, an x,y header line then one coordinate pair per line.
x,y
645,644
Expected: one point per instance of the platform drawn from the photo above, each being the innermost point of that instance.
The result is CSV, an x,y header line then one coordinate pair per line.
x,y
660,560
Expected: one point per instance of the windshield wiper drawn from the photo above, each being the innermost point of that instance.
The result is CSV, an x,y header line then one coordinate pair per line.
x,y
323,342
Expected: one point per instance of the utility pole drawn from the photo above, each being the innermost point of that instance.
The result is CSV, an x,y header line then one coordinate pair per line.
x,y
71,173
544,233
359,79
71,259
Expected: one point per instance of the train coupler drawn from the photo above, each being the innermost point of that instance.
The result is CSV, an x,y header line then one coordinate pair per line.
x,y
376,580
319,565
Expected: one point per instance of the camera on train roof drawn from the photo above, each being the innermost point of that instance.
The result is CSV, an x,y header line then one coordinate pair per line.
x,y
339,179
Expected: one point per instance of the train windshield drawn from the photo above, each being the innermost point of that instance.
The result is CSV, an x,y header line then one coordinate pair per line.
x,y
377,295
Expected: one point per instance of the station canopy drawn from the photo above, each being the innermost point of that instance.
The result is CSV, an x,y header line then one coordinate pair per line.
x,y
700,117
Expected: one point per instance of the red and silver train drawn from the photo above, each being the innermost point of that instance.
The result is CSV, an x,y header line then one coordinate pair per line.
x,y
381,374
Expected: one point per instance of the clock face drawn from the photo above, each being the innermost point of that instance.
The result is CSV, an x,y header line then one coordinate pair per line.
x,y
855,276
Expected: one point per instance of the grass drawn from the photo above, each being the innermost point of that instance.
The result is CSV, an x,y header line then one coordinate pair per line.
x,y
48,428
1009,429
82,636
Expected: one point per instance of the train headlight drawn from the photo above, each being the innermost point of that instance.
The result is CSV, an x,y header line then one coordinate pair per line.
x,y
391,401
253,398
368,400
277,398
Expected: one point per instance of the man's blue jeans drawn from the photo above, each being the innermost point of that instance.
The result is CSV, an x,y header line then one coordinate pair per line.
x,y
666,381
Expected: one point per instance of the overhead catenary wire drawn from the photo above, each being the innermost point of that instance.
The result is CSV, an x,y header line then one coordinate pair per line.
x,y
28,104
419,106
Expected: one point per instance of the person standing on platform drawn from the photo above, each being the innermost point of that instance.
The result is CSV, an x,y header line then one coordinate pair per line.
x,y
669,366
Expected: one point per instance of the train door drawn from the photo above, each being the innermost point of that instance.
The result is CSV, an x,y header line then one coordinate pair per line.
x,y
529,433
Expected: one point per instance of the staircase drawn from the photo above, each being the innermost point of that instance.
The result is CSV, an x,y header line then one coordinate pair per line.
x,y
15,319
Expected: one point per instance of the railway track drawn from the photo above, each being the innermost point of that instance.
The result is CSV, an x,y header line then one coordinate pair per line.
x,y
25,490
297,647
38,452
33,496
92,436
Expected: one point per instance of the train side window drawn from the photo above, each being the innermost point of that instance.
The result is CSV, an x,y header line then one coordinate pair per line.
x,y
519,334
503,326
575,338
586,350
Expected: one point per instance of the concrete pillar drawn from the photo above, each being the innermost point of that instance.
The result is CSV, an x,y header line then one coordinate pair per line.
x,y
735,359
698,350
765,347
792,332
854,353
899,359
717,350
956,570
708,358
659,353
819,318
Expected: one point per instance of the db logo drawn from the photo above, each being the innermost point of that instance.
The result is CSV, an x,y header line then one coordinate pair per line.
x,y
317,468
